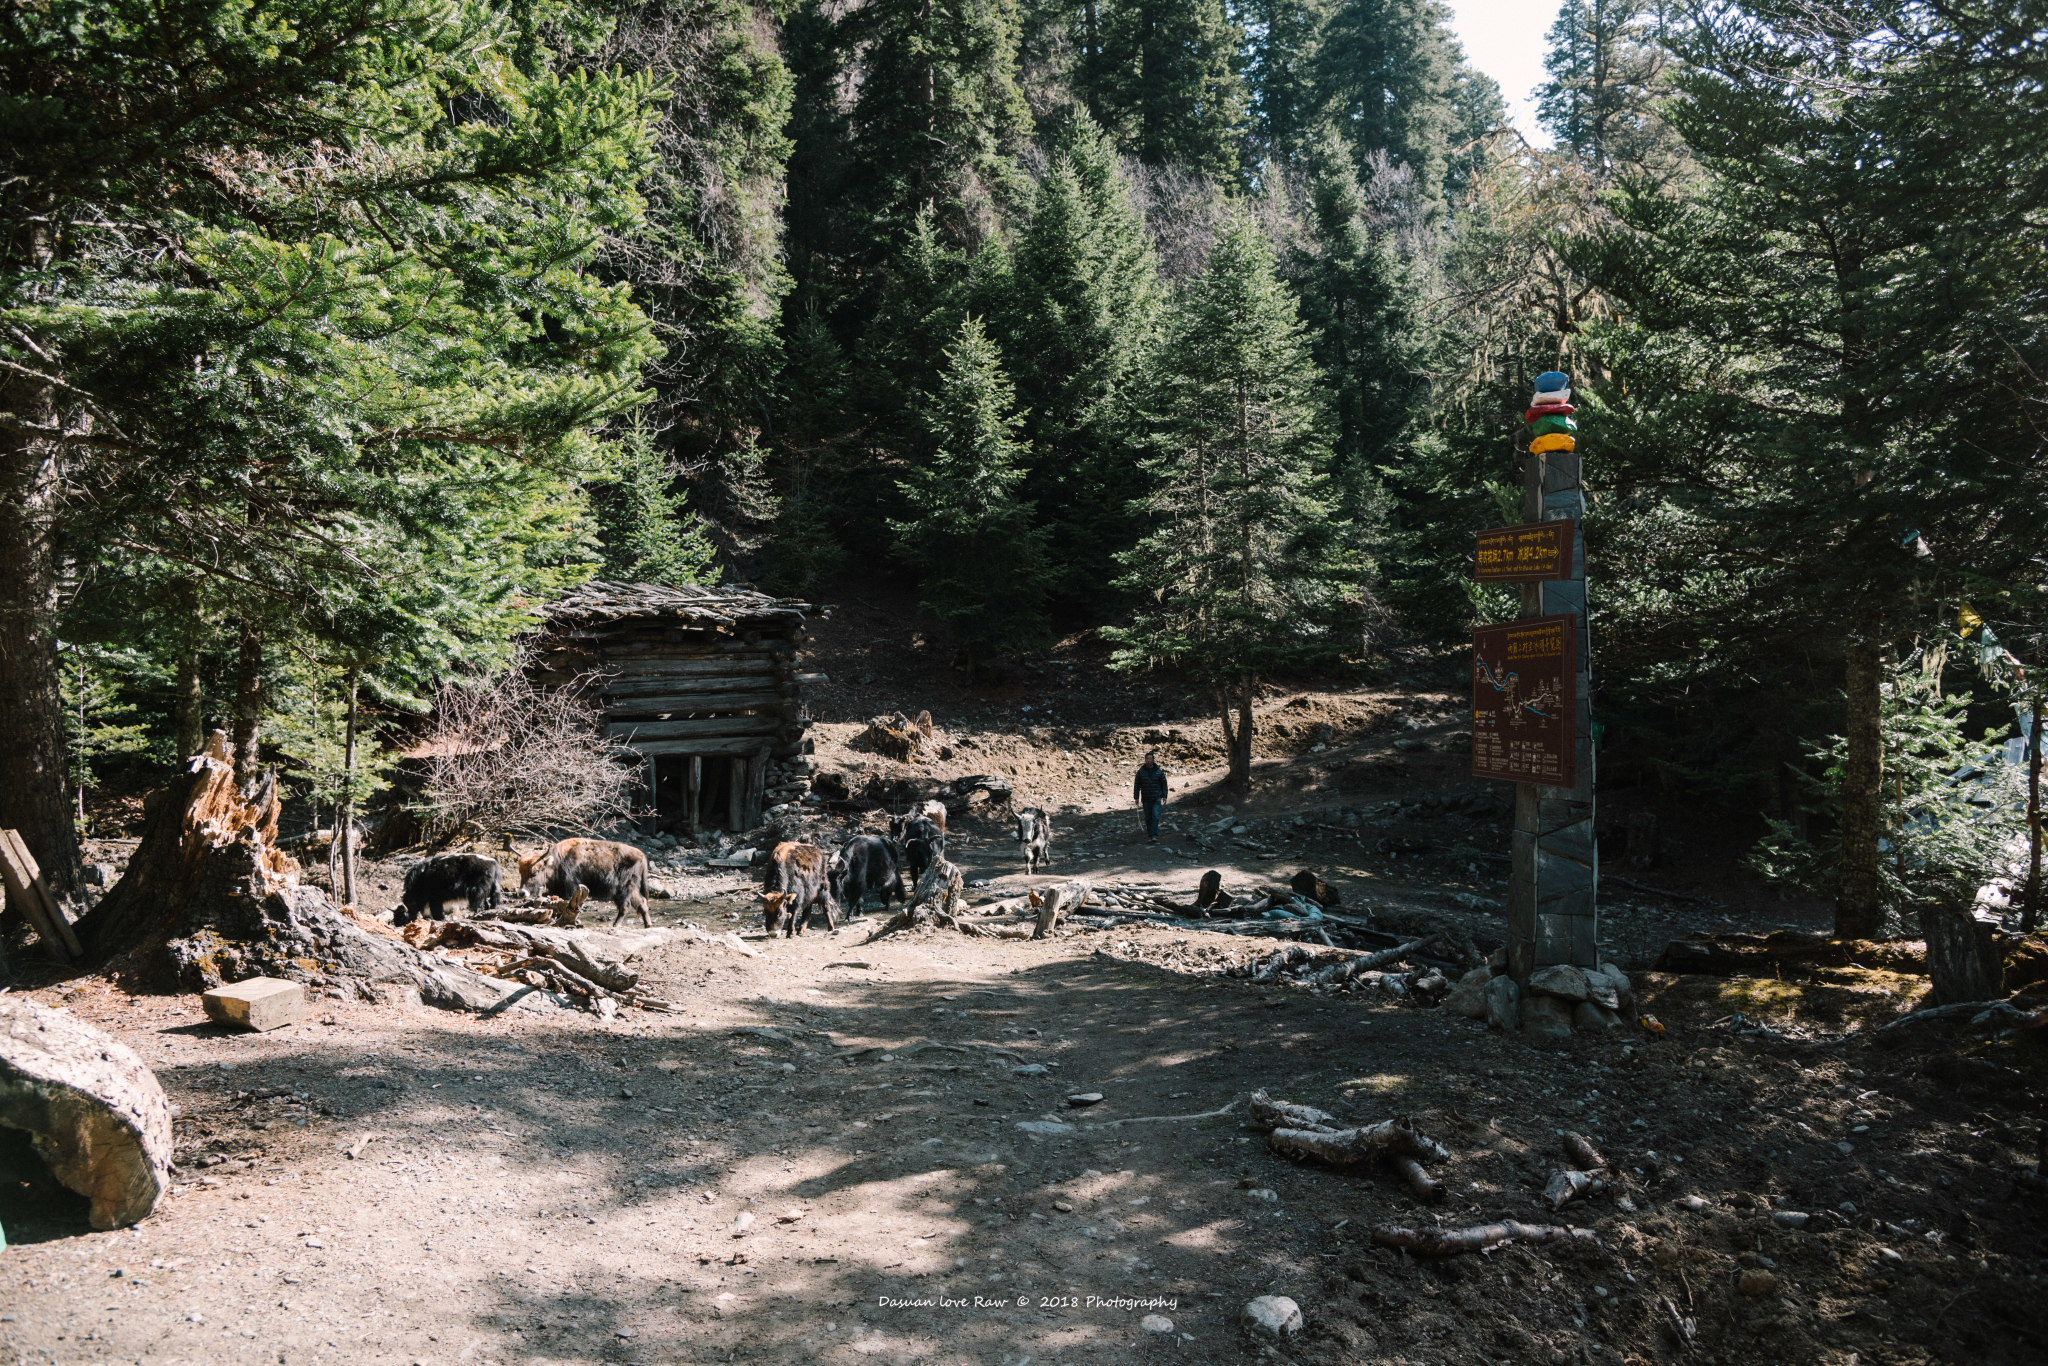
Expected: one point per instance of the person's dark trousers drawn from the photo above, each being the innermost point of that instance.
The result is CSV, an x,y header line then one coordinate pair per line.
x,y
1152,820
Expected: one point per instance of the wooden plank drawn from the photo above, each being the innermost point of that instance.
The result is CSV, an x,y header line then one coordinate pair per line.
x,y
711,747
25,889
679,666
682,687
761,727
703,705
757,786
694,790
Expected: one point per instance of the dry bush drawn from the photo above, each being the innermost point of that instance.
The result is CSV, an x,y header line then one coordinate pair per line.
x,y
506,754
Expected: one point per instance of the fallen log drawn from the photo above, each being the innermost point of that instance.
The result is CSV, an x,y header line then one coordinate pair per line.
x,y
1783,951
93,1110
1421,1184
1960,1010
1268,1114
1388,1139
1447,1242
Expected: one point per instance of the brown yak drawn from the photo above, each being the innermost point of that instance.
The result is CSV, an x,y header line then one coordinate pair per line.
x,y
612,871
796,885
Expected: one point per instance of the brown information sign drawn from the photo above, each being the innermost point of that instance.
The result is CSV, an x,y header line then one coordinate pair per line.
x,y
1531,553
1523,704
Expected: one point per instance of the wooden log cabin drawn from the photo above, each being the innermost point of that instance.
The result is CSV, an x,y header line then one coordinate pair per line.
x,y
703,683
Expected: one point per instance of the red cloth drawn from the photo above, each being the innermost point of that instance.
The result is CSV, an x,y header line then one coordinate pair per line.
x,y
1549,410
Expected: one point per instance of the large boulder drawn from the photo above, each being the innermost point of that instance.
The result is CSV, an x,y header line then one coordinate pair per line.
x,y
1504,1004
95,1113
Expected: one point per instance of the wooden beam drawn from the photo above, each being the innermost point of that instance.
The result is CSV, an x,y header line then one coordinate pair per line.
x,y
711,748
696,787
763,727
26,890
616,708
736,793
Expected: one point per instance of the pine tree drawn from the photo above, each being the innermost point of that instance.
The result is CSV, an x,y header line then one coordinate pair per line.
x,y
648,533
314,351
1240,570
1080,312
981,564
1160,76
936,121
1609,66
1282,47
1836,336
1386,71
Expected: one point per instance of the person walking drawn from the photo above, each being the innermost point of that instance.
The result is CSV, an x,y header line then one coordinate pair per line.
x,y
1148,789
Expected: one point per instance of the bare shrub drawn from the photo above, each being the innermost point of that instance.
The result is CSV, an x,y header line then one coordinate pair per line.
x,y
507,754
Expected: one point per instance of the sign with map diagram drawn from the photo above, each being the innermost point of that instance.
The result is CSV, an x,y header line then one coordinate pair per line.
x,y
1533,552
1523,703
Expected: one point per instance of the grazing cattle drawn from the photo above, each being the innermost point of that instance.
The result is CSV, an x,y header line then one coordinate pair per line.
x,y
1034,832
613,872
922,841
796,884
867,864
449,877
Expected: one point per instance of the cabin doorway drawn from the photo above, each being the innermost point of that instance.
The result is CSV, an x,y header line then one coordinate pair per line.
x,y
698,792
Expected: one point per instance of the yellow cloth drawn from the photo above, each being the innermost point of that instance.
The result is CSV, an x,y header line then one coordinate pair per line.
x,y
1556,441
1967,620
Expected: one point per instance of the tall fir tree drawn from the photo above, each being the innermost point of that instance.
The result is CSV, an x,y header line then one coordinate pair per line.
x,y
1080,312
1241,571
1609,67
1387,71
1828,355
1161,77
1283,42
981,564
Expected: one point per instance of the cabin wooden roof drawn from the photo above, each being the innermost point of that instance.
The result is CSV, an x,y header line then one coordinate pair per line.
x,y
598,602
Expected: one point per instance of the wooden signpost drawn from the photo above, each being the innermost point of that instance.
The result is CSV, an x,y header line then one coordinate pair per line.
x,y
1532,718
1525,701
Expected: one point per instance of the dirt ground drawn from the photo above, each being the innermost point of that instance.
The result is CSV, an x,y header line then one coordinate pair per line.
x,y
819,1158
784,1174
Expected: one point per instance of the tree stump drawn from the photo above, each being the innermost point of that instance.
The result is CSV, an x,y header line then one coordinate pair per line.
x,y
1964,960
942,888
95,1113
209,898
1056,903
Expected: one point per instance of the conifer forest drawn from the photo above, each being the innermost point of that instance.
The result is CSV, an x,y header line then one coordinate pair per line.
x,y
948,402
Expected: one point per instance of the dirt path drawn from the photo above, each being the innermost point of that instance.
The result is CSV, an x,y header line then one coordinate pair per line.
x,y
821,1161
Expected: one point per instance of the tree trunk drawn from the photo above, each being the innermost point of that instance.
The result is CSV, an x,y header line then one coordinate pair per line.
x,y
35,796
346,822
189,705
1963,958
1859,912
2031,917
248,704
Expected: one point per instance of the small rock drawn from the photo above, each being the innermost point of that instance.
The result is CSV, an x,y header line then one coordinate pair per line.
x,y
1044,1126
1273,1315
1889,1255
1594,1018
1156,1323
1029,1069
1790,1218
1845,1148
1756,1284
1696,1202
741,1225
1085,1098
1848,1207
1270,1197
1063,1207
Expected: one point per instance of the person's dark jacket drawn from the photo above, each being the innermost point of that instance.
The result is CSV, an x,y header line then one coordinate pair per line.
x,y
1150,784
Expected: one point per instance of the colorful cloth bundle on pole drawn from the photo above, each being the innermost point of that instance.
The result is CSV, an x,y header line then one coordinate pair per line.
x,y
1550,414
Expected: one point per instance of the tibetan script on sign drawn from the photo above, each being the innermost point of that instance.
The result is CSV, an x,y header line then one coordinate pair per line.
x,y
1531,553
1523,701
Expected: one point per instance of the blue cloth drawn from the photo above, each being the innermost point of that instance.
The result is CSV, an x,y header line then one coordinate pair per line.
x,y
1152,819
1552,379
